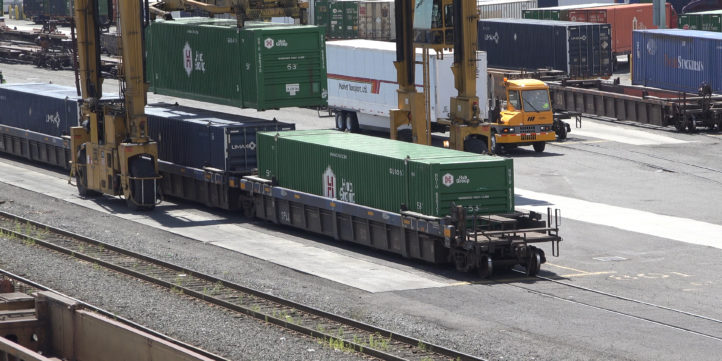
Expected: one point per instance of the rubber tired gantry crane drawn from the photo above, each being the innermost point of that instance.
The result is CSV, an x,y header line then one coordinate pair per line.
x,y
114,153
432,24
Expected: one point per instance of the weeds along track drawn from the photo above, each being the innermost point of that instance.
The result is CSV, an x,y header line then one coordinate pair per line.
x,y
332,330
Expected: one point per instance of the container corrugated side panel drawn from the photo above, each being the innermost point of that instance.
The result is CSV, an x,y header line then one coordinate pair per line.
x,y
376,172
481,184
502,39
194,59
44,108
678,60
590,52
284,67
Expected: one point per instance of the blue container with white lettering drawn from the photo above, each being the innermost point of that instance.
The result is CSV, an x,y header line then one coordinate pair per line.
x,y
39,107
676,59
200,138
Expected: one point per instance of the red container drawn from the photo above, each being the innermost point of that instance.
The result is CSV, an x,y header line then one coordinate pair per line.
x,y
624,19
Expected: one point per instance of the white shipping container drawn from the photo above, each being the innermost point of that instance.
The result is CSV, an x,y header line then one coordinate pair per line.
x,y
362,79
504,8
376,20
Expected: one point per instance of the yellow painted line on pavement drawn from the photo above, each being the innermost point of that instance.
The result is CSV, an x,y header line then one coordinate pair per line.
x,y
588,274
563,267
583,142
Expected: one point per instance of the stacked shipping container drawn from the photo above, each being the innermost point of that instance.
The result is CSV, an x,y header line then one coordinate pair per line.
x,y
386,174
556,12
623,19
580,49
504,8
706,20
677,59
373,20
262,66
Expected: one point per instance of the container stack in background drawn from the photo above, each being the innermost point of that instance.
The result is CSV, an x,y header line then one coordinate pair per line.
x,y
372,20
705,20
504,8
262,66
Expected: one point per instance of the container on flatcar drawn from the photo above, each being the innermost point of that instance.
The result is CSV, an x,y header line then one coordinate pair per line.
x,y
386,174
201,138
677,59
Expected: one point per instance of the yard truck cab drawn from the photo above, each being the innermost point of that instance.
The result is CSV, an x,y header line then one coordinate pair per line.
x,y
526,118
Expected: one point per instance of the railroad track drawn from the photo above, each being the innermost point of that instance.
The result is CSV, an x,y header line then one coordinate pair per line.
x,y
27,286
644,311
333,330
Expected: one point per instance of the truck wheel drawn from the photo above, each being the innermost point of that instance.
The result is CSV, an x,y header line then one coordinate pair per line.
x,y
476,145
340,121
351,122
539,146
495,147
562,134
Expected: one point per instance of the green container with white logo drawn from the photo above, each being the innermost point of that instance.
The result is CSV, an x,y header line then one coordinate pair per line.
x,y
386,174
705,20
261,66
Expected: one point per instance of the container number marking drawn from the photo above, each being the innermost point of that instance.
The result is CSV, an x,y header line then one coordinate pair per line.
x,y
291,66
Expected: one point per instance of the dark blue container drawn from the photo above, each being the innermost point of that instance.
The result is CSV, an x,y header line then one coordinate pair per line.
x,y
201,138
44,108
676,59
582,50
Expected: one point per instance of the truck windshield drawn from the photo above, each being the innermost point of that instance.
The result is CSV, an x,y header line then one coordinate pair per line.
x,y
514,99
536,100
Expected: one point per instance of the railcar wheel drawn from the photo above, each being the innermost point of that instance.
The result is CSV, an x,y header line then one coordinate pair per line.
x,y
486,267
534,263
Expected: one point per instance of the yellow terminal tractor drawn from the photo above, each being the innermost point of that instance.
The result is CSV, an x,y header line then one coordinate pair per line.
x,y
452,24
113,153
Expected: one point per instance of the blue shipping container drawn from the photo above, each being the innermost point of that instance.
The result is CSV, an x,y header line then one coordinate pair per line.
x,y
676,59
201,138
44,108
582,50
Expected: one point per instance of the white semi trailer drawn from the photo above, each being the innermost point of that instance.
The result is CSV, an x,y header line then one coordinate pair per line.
x,y
362,84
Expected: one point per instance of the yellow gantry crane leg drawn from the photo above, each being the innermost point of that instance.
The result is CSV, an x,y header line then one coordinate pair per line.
x,y
113,152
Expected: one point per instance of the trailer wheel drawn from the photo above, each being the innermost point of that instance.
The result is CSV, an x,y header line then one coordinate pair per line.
x,y
534,262
539,146
476,145
81,176
486,267
351,120
340,120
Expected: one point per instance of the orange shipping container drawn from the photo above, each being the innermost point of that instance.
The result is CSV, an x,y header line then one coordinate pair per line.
x,y
624,19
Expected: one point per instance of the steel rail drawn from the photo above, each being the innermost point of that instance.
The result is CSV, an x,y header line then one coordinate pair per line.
x,y
622,298
335,330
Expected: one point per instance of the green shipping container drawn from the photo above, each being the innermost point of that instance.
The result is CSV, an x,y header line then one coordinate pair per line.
x,y
386,174
350,19
261,66
705,20
556,12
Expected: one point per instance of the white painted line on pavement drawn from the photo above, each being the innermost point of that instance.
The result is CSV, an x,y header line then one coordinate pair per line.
x,y
675,228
